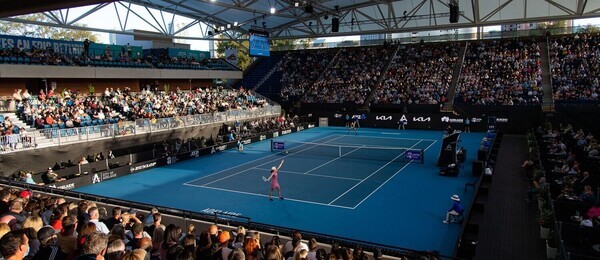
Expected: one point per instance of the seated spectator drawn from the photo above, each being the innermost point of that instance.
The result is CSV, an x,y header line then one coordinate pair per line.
x,y
48,249
14,245
594,212
588,195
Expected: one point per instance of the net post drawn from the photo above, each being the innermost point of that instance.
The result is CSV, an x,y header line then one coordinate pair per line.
x,y
422,156
271,144
339,151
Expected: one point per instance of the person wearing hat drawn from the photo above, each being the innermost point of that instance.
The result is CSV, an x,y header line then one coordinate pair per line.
x,y
48,249
274,182
455,211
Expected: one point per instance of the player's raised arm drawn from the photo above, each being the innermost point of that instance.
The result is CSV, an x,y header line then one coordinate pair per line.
x,y
280,164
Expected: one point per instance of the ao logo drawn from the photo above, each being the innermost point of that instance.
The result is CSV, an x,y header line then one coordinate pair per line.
x,y
96,178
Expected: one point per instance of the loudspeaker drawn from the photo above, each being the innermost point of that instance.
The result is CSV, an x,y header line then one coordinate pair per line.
x,y
335,24
454,12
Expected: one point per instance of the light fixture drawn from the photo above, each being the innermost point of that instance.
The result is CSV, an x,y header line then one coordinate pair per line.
x,y
296,4
212,0
222,28
228,26
272,10
235,23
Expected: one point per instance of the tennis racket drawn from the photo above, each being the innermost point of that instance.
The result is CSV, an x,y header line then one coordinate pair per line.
x,y
264,179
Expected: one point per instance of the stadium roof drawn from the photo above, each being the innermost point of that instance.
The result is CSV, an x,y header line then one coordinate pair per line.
x,y
308,18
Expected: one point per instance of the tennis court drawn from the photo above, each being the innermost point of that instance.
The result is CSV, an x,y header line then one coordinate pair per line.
x,y
366,193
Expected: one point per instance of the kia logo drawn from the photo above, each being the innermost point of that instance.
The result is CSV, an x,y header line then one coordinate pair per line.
x,y
383,118
422,119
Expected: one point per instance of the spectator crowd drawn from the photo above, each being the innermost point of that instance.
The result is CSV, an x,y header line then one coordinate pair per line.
x,y
575,65
300,70
73,109
419,74
352,77
38,226
506,72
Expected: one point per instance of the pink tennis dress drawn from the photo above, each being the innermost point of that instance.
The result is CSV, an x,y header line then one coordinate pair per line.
x,y
274,183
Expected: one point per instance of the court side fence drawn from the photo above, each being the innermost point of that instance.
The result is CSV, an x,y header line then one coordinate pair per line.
x,y
61,135
232,220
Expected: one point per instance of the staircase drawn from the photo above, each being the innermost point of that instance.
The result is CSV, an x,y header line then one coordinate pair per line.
x,y
381,77
449,106
260,71
548,98
40,140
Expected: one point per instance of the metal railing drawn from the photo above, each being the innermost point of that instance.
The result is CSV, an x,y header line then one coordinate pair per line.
x,y
62,136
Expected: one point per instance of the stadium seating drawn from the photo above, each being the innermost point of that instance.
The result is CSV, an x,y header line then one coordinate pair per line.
x,y
350,78
575,67
506,72
419,74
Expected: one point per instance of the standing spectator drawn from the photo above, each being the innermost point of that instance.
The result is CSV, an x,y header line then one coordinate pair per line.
x,y
86,47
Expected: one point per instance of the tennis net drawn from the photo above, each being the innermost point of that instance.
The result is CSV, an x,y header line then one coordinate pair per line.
x,y
378,153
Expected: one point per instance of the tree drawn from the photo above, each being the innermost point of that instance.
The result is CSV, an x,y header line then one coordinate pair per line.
x,y
42,31
589,29
554,27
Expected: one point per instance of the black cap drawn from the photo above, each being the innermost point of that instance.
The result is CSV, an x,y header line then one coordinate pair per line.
x,y
45,233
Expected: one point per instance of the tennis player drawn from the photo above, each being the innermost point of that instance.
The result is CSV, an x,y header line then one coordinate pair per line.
x,y
274,183
353,127
240,145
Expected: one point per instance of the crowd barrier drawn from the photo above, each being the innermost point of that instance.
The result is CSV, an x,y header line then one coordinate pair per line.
x,y
95,172
62,135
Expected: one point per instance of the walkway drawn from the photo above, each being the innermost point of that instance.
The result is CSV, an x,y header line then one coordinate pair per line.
x,y
509,229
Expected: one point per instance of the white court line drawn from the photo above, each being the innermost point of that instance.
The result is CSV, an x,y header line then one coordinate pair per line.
x,y
266,196
229,176
389,179
372,174
379,137
330,161
242,164
310,174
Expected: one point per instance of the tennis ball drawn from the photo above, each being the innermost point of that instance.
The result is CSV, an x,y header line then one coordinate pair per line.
x,y
286,152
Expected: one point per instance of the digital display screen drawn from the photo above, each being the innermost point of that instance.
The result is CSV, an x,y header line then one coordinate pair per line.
x,y
259,43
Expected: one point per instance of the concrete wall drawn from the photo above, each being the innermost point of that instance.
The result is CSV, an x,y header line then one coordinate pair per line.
x,y
31,71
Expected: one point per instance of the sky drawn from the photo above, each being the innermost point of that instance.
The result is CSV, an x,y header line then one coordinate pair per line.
x,y
115,10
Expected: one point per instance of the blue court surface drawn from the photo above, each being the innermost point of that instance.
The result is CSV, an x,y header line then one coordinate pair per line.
x,y
366,194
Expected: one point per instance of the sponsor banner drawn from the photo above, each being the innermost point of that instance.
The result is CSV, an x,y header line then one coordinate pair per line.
x,y
384,118
247,141
262,137
275,134
447,119
65,47
421,119
311,126
142,166
67,184
285,132
412,155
